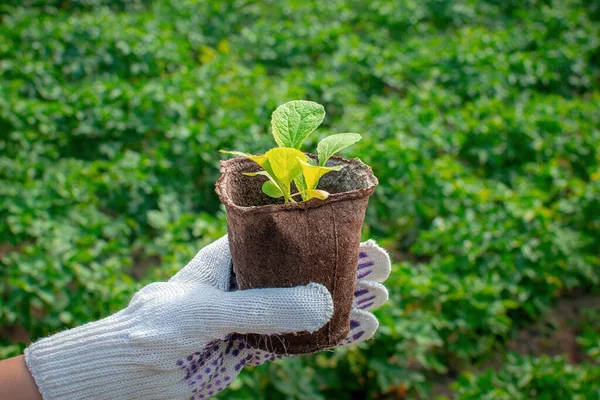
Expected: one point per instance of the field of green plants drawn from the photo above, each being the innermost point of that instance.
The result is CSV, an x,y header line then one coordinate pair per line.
x,y
481,119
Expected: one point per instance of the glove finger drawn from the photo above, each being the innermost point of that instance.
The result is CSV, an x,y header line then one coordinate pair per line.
x,y
363,326
274,310
369,295
373,262
211,265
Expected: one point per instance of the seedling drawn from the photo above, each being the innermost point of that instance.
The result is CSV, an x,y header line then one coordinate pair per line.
x,y
303,241
292,123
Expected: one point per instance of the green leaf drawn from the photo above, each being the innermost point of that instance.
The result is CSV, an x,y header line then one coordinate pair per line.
x,y
285,166
293,121
334,143
312,173
157,219
271,189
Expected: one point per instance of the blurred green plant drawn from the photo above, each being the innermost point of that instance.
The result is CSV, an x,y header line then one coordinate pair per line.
x,y
589,339
483,128
532,378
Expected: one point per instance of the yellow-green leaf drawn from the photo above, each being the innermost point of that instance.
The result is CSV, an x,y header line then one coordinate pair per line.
x,y
316,193
285,166
259,159
312,173
264,173
300,185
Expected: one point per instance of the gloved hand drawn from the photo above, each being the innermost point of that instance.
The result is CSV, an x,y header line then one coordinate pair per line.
x,y
182,339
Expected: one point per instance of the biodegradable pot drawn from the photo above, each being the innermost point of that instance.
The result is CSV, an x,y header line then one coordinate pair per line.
x,y
284,245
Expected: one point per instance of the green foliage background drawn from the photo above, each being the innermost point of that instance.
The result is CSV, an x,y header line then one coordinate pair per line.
x,y
480,118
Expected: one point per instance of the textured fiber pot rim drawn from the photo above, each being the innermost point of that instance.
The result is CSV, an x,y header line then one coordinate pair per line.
x,y
221,189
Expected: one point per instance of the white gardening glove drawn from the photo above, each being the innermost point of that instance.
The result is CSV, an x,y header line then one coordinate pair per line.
x,y
175,339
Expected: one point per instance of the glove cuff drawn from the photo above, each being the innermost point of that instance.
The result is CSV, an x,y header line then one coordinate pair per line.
x,y
83,362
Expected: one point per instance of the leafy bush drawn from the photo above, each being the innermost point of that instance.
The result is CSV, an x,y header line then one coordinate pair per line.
x,y
590,335
532,378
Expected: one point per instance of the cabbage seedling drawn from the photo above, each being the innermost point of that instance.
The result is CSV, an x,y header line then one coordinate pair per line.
x,y
292,123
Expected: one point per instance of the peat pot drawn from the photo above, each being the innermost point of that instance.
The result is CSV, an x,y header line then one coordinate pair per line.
x,y
284,245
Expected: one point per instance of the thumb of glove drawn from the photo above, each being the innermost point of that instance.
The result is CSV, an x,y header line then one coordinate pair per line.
x,y
275,310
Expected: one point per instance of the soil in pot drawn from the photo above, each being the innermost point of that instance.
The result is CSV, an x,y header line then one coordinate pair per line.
x,y
285,245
